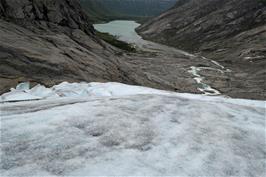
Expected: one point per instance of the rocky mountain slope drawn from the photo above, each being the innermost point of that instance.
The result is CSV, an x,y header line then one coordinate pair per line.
x,y
97,10
232,32
47,42
125,9
50,41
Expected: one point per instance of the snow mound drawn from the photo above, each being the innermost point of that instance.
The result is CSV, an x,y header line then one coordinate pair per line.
x,y
65,89
112,129
110,89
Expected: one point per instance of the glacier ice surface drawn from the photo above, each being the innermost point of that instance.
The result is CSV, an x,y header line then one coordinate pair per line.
x,y
113,129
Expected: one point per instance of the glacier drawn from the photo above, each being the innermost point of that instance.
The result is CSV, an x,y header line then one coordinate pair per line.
x,y
113,129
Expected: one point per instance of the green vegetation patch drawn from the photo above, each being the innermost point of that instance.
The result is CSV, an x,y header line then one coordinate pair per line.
x,y
113,40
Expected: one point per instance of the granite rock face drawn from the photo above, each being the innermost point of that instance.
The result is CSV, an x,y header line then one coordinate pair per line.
x,y
232,32
49,41
62,12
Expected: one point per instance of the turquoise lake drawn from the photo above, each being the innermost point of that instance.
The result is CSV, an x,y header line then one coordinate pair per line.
x,y
123,29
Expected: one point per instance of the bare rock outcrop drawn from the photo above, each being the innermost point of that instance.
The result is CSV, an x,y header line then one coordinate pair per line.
x,y
66,13
49,41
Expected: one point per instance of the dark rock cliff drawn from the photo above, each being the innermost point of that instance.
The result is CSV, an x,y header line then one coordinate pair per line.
x,y
50,41
67,13
192,23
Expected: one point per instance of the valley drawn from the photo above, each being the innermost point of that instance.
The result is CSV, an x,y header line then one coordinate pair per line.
x,y
232,33
139,10
132,88
125,31
71,51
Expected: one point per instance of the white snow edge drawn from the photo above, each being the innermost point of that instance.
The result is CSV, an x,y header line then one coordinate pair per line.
x,y
109,89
